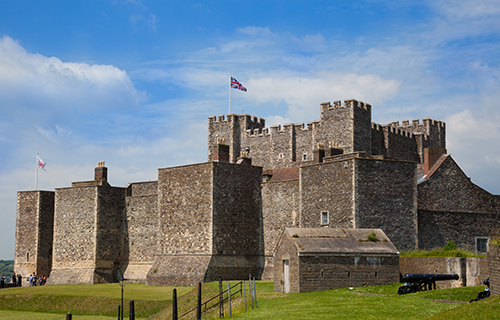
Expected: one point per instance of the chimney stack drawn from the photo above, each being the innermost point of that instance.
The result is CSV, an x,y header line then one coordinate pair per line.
x,y
221,153
101,172
431,156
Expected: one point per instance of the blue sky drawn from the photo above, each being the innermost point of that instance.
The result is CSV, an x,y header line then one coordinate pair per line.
x,y
133,82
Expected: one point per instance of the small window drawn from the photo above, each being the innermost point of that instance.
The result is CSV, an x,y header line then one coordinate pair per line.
x,y
324,218
304,156
280,156
482,244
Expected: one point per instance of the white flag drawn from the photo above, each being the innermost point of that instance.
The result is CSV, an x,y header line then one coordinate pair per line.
x,y
41,163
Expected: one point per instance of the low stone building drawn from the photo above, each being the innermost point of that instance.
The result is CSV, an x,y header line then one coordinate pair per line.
x,y
314,259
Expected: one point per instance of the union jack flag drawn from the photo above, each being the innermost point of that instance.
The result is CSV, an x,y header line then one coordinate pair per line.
x,y
235,84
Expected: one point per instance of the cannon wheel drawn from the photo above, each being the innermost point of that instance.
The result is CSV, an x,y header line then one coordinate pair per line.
x,y
403,290
483,295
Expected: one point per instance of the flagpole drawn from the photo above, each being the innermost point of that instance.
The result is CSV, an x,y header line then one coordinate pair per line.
x,y
230,93
36,175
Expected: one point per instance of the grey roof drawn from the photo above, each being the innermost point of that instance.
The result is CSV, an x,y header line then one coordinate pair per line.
x,y
331,241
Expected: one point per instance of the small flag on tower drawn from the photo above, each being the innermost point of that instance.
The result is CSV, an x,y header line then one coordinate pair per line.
x,y
41,163
235,84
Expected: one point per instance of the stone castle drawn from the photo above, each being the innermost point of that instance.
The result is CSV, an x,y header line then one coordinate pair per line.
x,y
225,216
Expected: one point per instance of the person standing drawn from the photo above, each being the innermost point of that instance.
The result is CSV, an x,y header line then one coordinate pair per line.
x,y
14,280
19,280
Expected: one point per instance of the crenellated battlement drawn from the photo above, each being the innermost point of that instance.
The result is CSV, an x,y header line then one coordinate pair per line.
x,y
392,129
346,125
425,127
328,108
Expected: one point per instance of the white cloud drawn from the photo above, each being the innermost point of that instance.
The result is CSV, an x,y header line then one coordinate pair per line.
x,y
303,94
31,80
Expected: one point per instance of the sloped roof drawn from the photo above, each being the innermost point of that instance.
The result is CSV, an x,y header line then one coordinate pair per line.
x,y
436,166
285,174
331,241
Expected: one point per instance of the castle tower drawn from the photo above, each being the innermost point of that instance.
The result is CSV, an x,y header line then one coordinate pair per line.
x,y
88,239
345,126
210,224
34,232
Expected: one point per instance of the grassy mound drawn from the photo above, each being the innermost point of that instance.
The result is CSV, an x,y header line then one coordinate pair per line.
x,y
101,299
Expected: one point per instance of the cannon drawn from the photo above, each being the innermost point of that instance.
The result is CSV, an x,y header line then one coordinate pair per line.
x,y
415,282
483,294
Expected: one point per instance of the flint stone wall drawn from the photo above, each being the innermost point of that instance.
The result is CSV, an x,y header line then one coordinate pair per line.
x,y
210,214
494,268
140,231
87,233
280,210
34,232
386,198
327,187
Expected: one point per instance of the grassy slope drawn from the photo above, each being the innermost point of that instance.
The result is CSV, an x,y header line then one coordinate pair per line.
x,y
381,302
100,299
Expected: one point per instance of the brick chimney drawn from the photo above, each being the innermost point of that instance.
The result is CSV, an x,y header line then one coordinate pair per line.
x,y
221,153
101,172
431,156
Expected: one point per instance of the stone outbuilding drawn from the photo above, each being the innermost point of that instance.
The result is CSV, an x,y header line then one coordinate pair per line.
x,y
314,259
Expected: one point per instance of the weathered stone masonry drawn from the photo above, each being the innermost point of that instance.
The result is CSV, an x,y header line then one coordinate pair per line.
x,y
225,216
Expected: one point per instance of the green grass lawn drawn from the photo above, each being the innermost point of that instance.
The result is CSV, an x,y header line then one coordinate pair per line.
x,y
89,300
93,302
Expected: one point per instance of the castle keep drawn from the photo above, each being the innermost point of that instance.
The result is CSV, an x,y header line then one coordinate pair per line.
x,y
225,216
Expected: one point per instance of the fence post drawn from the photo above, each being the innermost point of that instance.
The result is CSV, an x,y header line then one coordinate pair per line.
x,y
254,292
250,287
131,314
119,310
221,299
198,304
174,305
229,298
69,316
245,295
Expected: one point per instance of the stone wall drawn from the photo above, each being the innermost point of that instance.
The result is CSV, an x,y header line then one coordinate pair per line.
x,y
450,190
494,267
109,233
238,239
436,228
87,233
210,215
286,251
74,235
451,207
280,210
386,197
34,232
471,271
327,187
140,230
332,272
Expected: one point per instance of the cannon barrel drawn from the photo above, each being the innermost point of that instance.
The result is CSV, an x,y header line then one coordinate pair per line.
x,y
416,277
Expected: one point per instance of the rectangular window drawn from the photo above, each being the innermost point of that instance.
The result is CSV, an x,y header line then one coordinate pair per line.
x,y
482,244
324,218
305,156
